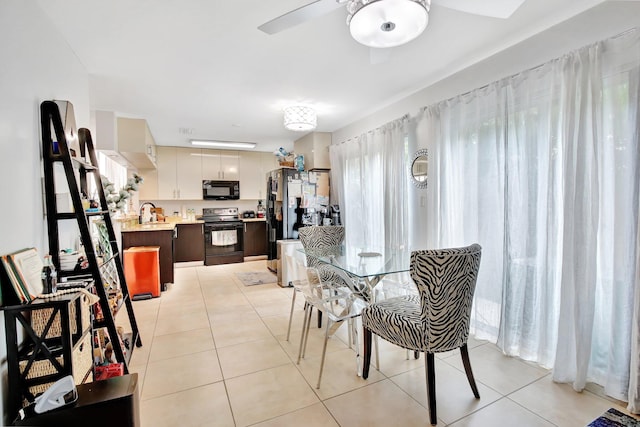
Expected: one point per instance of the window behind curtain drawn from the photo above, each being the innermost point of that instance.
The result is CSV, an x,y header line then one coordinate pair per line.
x,y
543,170
114,171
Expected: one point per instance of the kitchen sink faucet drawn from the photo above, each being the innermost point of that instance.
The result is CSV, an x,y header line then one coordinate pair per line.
x,y
140,216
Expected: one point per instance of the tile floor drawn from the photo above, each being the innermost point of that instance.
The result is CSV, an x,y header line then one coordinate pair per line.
x,y
215,354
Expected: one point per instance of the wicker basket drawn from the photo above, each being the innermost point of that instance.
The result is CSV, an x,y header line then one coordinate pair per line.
x,y
39,319
81,363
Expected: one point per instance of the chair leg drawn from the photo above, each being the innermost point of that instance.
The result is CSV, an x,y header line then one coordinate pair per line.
x,y
366,339
464,352
354,333
293,303
307,317
377,351
324,351
319,319
306,332
431,387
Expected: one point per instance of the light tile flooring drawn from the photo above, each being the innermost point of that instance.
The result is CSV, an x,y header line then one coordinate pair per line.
x,y
215,354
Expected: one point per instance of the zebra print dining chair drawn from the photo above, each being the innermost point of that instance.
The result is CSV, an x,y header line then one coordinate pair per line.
x,y
436,322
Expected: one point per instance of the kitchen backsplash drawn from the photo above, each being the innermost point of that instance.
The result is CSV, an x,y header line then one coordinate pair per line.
x,y
181,206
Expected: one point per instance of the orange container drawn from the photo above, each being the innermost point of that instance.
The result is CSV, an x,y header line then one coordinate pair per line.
x,y
142,271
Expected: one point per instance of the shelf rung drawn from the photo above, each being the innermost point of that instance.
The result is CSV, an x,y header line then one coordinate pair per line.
x,y
84,165
96,213
72,215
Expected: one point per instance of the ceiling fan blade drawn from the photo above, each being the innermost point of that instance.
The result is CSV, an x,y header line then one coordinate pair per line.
x,y
300,15
493,8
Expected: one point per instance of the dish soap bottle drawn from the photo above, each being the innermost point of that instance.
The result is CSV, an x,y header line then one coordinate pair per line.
x,y
260,210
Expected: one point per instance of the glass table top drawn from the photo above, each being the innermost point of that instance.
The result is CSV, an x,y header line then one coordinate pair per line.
x,y
363,262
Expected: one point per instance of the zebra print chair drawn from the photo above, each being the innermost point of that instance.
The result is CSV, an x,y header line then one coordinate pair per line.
x,y
322,240
436,322
319,239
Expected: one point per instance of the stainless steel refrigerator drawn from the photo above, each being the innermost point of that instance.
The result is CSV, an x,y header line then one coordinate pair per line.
x,y
294,199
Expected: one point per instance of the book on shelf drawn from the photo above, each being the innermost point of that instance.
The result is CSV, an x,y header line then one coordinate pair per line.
x,y
29,265
23,270
13,281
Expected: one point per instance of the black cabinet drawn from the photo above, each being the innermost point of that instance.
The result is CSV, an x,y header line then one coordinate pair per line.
x,y
107,403
189,244
57,342
255,238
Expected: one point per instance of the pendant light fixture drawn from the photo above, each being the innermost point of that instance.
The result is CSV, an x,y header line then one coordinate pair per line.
x,y
300,118
387,23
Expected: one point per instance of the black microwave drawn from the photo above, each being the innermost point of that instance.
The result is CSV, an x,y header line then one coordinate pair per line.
x,y
220,190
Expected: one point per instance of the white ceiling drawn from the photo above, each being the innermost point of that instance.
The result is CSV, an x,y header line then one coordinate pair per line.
x,y
203,65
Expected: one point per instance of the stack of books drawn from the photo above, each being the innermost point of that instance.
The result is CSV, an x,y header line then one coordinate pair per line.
x,y
24,272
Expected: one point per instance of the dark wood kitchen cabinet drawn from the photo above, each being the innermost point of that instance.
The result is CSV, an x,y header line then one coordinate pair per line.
x,y
189,244
255,238
162,238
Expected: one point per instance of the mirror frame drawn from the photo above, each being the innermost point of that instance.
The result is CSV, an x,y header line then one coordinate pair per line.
x,y
420,153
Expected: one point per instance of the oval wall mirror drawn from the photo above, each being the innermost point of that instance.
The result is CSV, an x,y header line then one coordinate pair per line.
x,y
418,171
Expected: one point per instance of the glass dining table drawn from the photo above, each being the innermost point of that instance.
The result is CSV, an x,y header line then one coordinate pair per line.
x,y
369,265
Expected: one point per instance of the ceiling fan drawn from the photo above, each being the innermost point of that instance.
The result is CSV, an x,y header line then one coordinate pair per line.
x,y
387,23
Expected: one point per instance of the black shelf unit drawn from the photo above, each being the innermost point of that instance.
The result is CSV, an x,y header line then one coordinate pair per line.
x,y
78,168
55,341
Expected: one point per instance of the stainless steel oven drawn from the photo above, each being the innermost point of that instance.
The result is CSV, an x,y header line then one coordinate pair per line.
x,y
223,236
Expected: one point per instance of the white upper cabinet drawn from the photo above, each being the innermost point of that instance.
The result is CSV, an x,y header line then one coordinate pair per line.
x,y
253,171
179,173
189,174
167,188
148,189
251,177
314,147
220,165
136,143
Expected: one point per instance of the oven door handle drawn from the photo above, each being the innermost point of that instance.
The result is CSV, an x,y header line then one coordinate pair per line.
x,y
219,227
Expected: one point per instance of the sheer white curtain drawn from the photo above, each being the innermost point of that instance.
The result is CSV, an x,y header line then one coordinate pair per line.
x,y
368,175
543,170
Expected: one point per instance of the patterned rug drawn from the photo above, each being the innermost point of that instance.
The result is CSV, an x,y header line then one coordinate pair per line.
x,y
614,418
257,278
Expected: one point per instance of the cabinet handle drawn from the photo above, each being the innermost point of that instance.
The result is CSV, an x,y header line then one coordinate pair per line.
x,y
245,227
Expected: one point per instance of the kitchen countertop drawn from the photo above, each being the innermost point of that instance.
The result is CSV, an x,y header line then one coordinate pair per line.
x,y
149,226
131,224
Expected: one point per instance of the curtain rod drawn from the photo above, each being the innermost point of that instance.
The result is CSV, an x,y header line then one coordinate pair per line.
x,y
404,117
504,79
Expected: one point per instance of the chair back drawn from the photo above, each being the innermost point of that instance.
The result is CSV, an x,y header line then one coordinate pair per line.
x,y
446,281
320,239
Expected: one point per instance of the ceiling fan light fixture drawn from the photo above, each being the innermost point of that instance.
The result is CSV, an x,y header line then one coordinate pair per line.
x,y
300,118
387,23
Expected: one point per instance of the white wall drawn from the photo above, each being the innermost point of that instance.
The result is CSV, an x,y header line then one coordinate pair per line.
x,y
36,64
599,23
